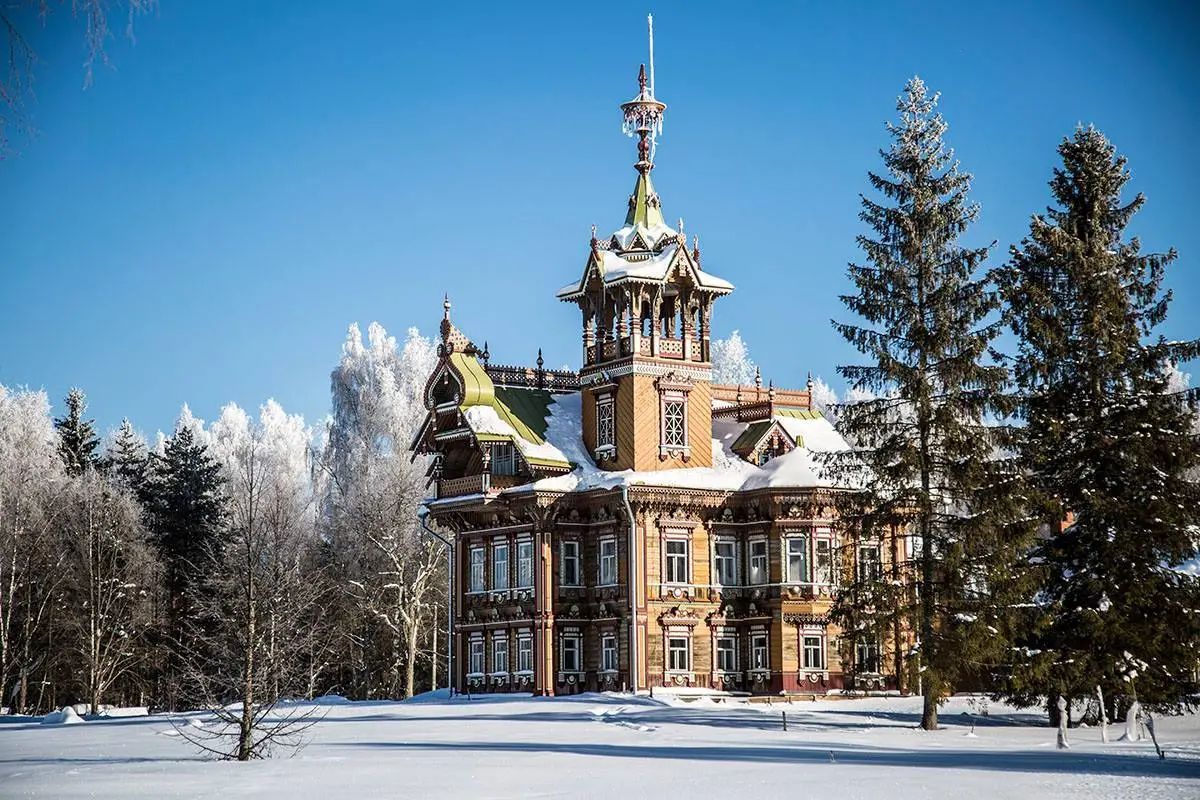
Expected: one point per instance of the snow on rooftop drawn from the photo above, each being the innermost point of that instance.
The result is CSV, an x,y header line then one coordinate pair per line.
x,y
485,420
618,267
729,472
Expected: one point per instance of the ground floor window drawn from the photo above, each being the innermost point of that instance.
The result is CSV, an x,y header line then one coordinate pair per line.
x,y
758,651
866,654
608,652
500,652
475,656
727,653
814,652
572,653
679,652
524,652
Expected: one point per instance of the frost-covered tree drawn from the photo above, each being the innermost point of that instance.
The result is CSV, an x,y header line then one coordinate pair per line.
x,y
77,439
267,598
824,398
922,457
731,363
1107,447
32,478
372,490
111,583
185,508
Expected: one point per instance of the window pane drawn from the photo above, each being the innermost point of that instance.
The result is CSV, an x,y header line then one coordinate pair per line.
x,y
476,577
608,562
570,564
758,562
824,561
500,567
525,654
605,427
814,656
677,561
674,431
678,649
758,652
798,559
525,564
500,654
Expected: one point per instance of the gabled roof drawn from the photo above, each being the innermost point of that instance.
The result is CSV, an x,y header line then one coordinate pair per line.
x,y
613,268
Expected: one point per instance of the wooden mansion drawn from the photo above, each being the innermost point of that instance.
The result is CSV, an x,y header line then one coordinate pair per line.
x,y
634,525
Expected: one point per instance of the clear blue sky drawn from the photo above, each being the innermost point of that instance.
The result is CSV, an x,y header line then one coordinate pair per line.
x,y
204,222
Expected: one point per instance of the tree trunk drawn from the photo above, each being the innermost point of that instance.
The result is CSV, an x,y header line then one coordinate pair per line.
x,y
246,734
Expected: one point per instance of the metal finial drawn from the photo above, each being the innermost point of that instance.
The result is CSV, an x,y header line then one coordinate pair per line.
x,y
757,378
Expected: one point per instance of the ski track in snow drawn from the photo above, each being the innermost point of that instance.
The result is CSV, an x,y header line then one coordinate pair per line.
x,y
600,746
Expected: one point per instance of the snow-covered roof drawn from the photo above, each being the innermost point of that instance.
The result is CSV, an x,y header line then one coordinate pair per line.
x,y
729,472
614,267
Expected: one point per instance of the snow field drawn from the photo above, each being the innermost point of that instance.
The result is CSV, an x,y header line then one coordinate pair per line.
x,y
601,746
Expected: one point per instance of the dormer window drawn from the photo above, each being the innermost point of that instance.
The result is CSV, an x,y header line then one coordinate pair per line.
x,y
504,459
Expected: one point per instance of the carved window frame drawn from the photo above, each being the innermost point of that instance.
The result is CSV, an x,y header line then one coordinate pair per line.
x,y
606,421
673,391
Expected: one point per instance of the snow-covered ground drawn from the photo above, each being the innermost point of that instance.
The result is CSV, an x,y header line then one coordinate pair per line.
x,y
600,746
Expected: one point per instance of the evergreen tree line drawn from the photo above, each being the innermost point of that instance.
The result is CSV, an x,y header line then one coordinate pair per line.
x,y
248,560
1019,445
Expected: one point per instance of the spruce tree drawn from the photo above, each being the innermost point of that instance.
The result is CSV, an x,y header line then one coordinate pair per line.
x,y
77,440
923,457
185,504
1107,445
127,457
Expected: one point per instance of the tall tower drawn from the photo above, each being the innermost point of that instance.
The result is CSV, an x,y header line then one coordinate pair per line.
x,y
647,309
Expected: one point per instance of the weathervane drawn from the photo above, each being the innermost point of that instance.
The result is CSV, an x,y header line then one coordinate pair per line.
x,y
644,114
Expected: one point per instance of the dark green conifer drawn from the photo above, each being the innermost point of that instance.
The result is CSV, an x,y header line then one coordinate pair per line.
x,y
77,440
924,457
1106,444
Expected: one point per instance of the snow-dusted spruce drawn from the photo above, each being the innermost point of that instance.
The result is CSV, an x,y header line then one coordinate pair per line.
x,y
185,509
394,575
1107,446
77,439
32,479
263,614
126,457
922,451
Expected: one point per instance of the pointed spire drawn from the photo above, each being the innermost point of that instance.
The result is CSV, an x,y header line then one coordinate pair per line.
x,y
696,249
757,379
485,354
447,328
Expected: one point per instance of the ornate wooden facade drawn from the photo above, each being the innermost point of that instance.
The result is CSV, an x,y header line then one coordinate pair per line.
x,y
575,576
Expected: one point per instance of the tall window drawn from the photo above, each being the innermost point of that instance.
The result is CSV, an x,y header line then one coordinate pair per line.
x,y
608,562
674,427
608,652
814,652
606,428
726,563
758,651
727,654
500,567
797,559
571,574
758,562
868,563
677,561
866,654
679,653
572,657
524,564
524,652
476,577
475,664
504,459
500,652
824,561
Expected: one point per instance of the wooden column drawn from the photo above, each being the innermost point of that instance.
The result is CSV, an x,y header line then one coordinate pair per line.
x,y
543,634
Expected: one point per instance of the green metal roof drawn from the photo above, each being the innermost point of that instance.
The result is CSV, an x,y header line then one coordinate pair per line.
x,y
478,389
751,436
641,212
526,410
798,413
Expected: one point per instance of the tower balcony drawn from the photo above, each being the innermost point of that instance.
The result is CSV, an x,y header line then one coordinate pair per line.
x,y
668,347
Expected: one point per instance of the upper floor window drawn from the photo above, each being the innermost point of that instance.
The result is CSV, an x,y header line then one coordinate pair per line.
x,y
868,563
475,579
500,567
823,558
677,561
606,427
504,459
608,652
524,564
725,556
571,574
797,559
608,562
674,416
758,562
